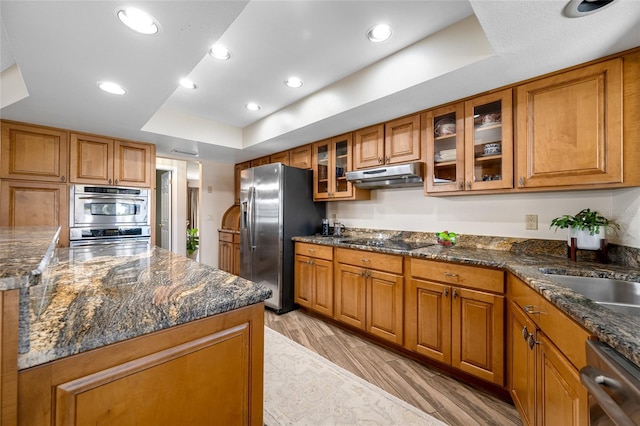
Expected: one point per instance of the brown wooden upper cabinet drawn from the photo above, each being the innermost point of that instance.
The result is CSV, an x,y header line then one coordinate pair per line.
x,y
238,169
331,162
34,153
260,161
281,157
396,141
470,144
569,128
102,161
301,157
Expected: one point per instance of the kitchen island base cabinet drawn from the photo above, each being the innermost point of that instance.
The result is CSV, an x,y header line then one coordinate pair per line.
x,y
208,371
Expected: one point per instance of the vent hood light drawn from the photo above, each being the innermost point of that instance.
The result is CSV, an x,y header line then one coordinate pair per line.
x,y
187,84
112,88
379,33
578,8
138,21
220,52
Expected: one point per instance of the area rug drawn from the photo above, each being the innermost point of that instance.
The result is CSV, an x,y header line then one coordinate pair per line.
x,y
303,388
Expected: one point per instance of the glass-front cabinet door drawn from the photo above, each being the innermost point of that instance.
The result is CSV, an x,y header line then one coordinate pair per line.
x,y
489,142
331,162
443,129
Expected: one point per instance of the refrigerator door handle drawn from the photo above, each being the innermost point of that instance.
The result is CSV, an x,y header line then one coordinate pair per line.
x,y
251,214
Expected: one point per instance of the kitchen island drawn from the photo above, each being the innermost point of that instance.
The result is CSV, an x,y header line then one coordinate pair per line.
x,y
116,335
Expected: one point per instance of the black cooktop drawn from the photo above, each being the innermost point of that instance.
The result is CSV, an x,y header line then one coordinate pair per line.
x,y
387,243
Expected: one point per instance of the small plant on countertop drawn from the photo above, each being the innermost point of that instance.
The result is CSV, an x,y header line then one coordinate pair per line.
x,y
192,240
446,238
586,219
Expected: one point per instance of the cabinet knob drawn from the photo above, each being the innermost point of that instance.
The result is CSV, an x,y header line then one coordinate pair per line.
x,y
311,250
525,333
532,341
387,160
446,292
362,272
365,260
109,181
116,181
63,179
468,184
460,185
379,160
455,293
521,181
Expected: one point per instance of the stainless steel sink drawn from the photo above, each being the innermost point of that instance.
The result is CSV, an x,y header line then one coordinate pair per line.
x,y
617,295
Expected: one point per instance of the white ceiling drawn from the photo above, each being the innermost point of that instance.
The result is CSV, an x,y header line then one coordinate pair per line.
x,y
440,51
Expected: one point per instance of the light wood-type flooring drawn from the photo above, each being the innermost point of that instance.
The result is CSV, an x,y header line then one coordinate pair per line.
x,y
437,394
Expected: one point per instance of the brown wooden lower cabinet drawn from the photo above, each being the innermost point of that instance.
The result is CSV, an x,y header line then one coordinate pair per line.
x,y
369,293
547,350
314,278
209,371
229,252
459,326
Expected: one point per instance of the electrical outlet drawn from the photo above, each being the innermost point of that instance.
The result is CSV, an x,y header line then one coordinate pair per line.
x,y
531,221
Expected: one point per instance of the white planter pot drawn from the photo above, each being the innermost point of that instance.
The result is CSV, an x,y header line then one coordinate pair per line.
x,y
585,240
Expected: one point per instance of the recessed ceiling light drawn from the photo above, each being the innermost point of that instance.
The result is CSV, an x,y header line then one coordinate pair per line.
x,y
294,82
578,8
252,106
220,52
187,84
379,33
138,20
110,87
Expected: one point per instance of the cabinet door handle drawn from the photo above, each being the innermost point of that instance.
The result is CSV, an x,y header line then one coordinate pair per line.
x,y
446,292
468,184
379,160
367,273
521,181
532,341
455,293
449,274
311,250
63,179
387,160
109,181
460,185
362,272
525,333
116,181
365,260
530,309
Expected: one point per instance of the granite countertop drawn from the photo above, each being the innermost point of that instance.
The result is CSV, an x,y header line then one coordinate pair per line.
x,y
24,254
95,296
618,330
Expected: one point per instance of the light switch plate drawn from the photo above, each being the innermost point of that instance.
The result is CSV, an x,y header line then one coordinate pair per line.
x,y
531,222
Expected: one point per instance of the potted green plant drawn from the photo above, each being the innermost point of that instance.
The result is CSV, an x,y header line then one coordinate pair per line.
x,y
587,226
192,242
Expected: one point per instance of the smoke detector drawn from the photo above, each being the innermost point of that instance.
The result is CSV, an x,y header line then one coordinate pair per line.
x,y
578,8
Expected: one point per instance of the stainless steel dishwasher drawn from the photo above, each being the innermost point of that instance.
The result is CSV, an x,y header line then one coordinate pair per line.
x,y
613,383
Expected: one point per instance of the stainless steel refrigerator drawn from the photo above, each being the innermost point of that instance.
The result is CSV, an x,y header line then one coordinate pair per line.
x,y
276,204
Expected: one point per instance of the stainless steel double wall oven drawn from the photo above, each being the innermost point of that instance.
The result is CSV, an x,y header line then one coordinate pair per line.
x,y
108,214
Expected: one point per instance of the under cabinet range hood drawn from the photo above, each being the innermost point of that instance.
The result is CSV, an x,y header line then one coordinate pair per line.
x,y
392,176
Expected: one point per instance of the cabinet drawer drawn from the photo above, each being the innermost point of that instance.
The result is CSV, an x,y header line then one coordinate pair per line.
x,y
236,238
315,250
367,259
467,276
226,236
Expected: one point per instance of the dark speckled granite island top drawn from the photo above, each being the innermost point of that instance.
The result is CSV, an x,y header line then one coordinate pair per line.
x,y
528,260
92,297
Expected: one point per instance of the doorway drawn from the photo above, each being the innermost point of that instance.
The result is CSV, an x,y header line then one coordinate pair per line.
x,y
163,209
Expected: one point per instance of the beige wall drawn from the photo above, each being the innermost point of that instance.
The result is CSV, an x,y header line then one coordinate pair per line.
x,y
216,196
500,215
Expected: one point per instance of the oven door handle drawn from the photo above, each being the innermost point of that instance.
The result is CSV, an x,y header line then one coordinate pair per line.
x,y
111,197
593,379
